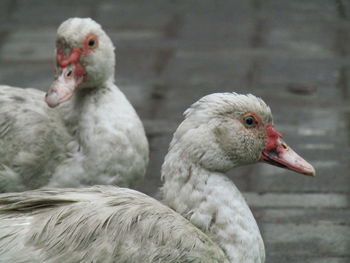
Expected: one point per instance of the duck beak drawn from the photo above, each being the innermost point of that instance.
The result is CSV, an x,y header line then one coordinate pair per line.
x,y
62,89
70,75
278,153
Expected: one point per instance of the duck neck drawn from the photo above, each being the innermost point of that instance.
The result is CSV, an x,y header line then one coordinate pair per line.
x,y
74,109
108,131
212,203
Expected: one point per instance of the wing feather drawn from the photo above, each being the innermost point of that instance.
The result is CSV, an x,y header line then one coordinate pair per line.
x,y
98,224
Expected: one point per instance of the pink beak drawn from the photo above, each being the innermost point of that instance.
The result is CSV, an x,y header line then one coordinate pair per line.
x,y
62,89
71,75
277,152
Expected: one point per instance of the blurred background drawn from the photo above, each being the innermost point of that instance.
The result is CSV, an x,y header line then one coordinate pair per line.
x,y
294,54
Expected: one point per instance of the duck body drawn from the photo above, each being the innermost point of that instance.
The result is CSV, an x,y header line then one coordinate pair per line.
x,y
93,134
33,138
111,145
86,132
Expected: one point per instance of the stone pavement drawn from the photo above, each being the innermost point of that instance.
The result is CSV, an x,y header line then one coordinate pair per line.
x,y
294,54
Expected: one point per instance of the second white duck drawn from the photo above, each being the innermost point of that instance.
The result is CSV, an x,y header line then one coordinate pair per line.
x,y
94,137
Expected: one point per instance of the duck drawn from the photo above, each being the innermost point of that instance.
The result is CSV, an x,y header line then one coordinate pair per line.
x,y
202,217
83,131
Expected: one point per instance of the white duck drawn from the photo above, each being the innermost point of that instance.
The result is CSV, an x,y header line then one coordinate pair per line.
x,y
95,137
209,220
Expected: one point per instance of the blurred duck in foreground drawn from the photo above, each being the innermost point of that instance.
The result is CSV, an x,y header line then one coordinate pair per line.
x,y
204,217
94,137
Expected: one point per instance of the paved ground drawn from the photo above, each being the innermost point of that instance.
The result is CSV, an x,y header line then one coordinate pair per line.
x,y
294,54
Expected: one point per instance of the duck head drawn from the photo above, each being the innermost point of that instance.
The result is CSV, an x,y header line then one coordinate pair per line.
x,y
225,130
84,59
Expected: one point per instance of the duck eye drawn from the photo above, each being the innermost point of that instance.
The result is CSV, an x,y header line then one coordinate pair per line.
x,y
91,43
249,121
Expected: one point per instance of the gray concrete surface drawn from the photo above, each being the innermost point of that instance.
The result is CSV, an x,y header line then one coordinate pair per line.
x,y
294,54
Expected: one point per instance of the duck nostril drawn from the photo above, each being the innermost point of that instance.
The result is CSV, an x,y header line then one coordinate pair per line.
x,y
69,73
284,146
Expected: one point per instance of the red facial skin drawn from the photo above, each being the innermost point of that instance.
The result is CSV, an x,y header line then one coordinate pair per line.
x,y
72,72
272,137
74,56
277,152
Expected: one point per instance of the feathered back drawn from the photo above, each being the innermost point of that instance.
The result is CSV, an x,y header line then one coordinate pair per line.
x,y
106,224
